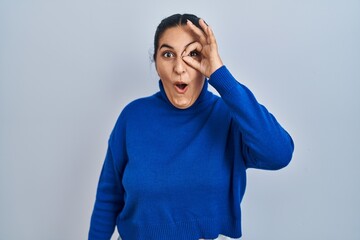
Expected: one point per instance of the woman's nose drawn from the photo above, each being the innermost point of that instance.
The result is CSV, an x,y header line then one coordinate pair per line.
x,y
179,67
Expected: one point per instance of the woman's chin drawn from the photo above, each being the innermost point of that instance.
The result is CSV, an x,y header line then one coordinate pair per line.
x,y
182,104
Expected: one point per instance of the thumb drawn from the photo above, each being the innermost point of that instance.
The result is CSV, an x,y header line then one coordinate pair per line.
x,y
192,62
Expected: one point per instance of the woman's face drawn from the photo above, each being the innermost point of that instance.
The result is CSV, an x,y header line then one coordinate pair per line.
x,y
181,82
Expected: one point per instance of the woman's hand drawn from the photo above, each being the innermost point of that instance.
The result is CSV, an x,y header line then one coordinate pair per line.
x,y
209,60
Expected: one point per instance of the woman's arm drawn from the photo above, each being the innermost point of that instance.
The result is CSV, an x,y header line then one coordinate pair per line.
x,y
266,144
110,193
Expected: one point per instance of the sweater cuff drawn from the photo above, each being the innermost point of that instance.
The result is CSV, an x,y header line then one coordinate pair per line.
x,y
223,81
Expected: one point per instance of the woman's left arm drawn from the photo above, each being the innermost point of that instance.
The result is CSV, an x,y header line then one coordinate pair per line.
x,y
265,144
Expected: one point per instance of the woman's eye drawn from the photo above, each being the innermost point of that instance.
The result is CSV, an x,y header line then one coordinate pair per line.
x,y
168,54
194,54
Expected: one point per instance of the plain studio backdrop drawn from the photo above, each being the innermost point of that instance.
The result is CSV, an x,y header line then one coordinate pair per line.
x,y
67,68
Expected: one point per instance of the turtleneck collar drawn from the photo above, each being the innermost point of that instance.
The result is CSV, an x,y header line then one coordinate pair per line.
x,y
203,99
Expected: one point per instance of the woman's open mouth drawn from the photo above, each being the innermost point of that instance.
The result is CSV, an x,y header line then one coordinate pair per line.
x,y
181,87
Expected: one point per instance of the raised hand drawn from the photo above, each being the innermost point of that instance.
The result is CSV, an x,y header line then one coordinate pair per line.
x,y
209,60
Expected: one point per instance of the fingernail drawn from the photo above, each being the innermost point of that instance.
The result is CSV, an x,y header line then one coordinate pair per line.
x,y
205,22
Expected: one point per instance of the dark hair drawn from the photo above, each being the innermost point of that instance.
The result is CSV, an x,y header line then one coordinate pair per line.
x,y
172,21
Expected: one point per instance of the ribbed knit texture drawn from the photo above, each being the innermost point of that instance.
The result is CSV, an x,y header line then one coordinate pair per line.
x,y
180,174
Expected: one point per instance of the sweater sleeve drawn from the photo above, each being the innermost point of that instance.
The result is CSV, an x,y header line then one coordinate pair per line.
x,y
110,193
265,144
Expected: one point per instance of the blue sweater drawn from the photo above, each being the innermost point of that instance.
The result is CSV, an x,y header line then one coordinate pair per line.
x,y
180,174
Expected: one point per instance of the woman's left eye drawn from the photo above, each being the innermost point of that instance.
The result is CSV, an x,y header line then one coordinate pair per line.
x,y
194,54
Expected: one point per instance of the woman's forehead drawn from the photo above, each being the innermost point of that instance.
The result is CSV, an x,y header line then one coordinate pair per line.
x,y
177,37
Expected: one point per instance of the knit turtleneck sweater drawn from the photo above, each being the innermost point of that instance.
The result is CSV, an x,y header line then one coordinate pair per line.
x,y
180,174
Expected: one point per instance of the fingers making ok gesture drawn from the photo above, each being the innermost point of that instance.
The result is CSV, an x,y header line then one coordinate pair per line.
x,y
206,45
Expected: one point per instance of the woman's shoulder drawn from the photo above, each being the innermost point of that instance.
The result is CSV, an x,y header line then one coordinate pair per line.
x,y
141,103
134,111
139,106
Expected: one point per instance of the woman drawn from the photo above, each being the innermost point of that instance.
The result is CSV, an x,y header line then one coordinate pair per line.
x,y
176,162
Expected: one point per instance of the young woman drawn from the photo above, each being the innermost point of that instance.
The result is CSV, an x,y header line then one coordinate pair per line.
x,y
176,161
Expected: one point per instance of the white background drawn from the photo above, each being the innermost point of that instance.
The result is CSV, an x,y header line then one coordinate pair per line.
x,y
67,68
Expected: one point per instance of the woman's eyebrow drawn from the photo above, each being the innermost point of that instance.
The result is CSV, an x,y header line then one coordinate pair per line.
x,y
168,46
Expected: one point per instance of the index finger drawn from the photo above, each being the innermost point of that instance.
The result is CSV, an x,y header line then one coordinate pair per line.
x,y
201,33
195,46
